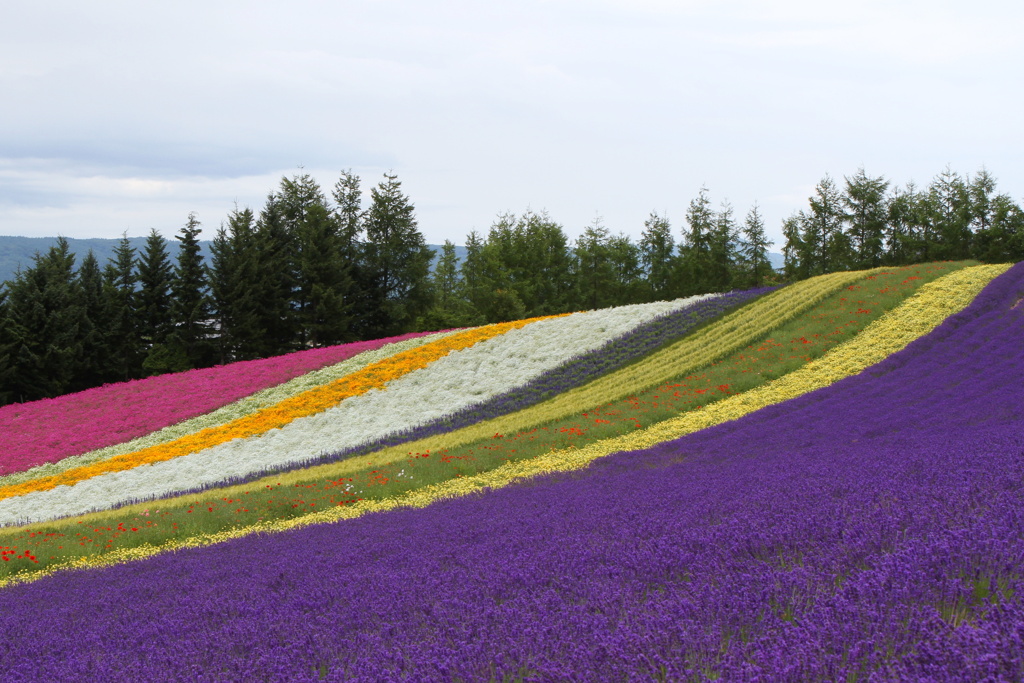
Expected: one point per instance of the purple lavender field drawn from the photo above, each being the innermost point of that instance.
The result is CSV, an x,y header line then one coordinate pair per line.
x,y
873,530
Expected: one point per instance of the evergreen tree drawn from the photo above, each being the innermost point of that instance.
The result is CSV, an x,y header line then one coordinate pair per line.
x,y
189,345
481,277
595,274
8,350
276,278
629,277
450,304
754,250
46,321
948,204
154,300
695,252
906,227
95,362
119,284
397,262
321,265
542,276
722,251
239,288
796,254
658,258
995,221
823,229
350,215
866,213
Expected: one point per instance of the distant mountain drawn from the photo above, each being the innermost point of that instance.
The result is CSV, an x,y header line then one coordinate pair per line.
x,y
18,252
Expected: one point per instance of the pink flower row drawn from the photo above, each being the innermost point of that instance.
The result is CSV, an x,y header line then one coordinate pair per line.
x,y
50,429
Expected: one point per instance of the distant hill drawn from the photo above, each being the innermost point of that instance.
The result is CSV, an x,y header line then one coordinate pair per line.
x,y
18,252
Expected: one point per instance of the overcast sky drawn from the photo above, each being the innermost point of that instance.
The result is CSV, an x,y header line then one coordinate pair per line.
x,y
124,116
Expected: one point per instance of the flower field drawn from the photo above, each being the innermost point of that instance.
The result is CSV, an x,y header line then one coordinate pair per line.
x,y
821,482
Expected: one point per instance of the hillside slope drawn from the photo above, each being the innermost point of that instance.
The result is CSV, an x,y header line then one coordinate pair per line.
x,y
865,528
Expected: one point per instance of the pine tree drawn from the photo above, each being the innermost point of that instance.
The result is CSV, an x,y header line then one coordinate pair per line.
x,y
46,322
657,255
478,281
866,213
629,277
545,274
754,249
8,349
722,250
948,204
189,345
95,364
276,278
823,228
397,262
349,214
695,251
237,286
906,227
595,275
154,301
119,283
795,252
450,306
322,272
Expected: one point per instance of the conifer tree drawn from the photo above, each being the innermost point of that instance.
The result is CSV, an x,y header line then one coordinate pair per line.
x,y
906,227
628,273
154,301
695,250
657,255
47,318
948,205
450,306
397,262
95,362
722,250
823,228
865,203
754,249
595,274
237,285
189,344
795,252
119,284
7,349
275,250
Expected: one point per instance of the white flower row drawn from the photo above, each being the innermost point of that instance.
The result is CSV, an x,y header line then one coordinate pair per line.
x,y
240,408
461,379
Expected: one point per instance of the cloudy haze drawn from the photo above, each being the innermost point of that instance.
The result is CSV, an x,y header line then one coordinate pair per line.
x,y
120,116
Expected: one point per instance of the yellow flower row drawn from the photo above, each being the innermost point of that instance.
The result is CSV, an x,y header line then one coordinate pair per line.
x,y
719,339
912,319
316,400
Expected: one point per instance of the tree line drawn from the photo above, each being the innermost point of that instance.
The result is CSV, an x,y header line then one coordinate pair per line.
x,y
313,270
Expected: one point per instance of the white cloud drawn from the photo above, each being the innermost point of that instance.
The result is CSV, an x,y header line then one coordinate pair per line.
x,y
572,105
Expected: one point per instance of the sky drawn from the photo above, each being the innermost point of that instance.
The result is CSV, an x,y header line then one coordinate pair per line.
x,y
120,117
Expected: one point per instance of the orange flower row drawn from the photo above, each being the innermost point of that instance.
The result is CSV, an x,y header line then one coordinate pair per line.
x,y
319,399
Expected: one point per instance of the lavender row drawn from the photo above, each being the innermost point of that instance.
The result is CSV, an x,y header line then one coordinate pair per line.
x,y
868,531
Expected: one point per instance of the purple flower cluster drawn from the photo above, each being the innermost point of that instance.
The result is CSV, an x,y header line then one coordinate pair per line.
x,y
872,530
